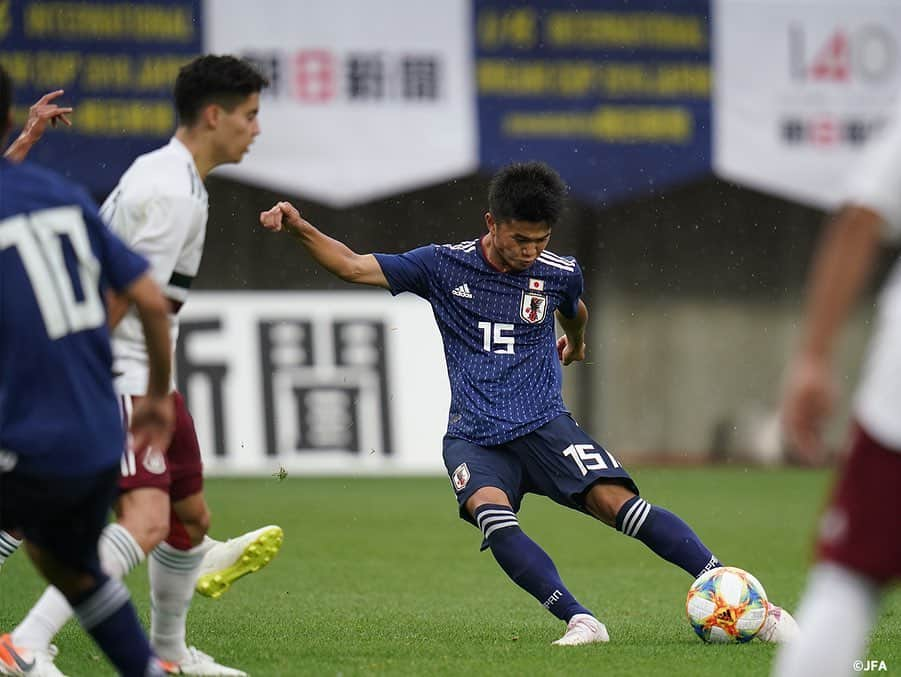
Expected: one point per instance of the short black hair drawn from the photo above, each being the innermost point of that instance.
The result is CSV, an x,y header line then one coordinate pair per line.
x,y
223,80
527,191
6,100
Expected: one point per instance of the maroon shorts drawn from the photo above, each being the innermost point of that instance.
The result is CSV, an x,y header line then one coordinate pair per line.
x,y
861,527
178,471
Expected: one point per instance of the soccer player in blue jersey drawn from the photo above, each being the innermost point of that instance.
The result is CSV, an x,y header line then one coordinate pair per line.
x,y
495,299
160,208
61,431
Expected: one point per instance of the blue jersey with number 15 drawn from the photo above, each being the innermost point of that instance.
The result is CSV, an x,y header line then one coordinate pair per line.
x,y
58,412
498,333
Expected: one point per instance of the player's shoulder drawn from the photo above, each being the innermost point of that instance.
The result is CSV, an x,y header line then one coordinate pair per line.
x,y
26,173
465,249
167,171
28,186
556,263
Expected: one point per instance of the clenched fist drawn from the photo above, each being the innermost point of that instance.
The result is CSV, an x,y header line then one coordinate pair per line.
x,y
283,216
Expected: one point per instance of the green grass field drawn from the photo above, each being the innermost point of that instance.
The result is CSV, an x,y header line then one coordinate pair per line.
x,y
380,577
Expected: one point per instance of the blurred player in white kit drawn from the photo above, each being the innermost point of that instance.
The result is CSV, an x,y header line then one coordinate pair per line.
x,y
859,540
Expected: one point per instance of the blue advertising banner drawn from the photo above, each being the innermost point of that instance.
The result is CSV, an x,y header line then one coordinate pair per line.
x,y
116,61
615,95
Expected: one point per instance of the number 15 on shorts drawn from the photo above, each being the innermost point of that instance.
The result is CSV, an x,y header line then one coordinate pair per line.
x,y
587,459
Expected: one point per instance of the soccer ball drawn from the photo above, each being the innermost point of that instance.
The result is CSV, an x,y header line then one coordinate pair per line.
x,y
726,604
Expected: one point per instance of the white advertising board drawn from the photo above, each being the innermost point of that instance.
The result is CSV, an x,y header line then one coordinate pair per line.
x,y
800,86
367,99
314,382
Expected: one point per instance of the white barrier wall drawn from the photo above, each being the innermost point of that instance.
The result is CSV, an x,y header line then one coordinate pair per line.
x,y
315,383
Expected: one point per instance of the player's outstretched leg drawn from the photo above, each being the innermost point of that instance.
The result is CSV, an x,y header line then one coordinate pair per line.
x,y
226,562
673,540
119,553
666,534
173,566
105,612
530,568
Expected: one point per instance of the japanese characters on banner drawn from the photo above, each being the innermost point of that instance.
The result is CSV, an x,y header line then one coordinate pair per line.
x,y
368,99
314,383
615,95
116,61
801,85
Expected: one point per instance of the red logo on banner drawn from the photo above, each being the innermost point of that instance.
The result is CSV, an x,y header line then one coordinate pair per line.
x,y
867,53
833,61
315,75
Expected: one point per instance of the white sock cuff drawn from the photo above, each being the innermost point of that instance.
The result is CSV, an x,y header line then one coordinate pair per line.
x,y
492,518
119,551
178,560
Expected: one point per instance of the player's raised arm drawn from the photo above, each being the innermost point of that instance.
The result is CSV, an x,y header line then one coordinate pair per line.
x,y
42,113
334,256
571,346
153,419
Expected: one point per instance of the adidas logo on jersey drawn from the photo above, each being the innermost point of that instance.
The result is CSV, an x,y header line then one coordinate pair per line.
x,y
462,291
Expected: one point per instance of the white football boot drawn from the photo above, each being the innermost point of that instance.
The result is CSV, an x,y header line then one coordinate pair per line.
x,y
779,626
583,629
226,562
199,663
43,663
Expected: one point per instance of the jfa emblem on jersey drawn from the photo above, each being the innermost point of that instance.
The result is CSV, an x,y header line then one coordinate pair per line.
x,y
533,307
460,478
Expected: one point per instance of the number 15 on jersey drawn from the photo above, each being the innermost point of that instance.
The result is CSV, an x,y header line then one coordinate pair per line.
x,y
586,459
495,338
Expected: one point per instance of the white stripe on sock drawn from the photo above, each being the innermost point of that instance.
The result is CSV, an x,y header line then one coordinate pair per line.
x,y
501,525
485,513
488,521
640,520
102,604
119,551
8,544
629,515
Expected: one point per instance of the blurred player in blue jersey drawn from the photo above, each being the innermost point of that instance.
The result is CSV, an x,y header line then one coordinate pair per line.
x,y
495,299
61,430
159,208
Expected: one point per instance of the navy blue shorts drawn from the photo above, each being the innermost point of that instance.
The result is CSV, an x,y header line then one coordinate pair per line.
x,y
62,515
559,460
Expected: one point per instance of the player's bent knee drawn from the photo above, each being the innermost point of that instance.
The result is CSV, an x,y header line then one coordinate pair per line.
x,y
145,514
194,516
486,495
605,499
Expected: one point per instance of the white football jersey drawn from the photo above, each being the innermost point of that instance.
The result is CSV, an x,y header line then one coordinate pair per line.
x,y
876,184
159,208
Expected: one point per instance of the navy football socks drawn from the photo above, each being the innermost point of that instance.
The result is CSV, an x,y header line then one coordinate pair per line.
x,y
525,562
107,615
665,534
